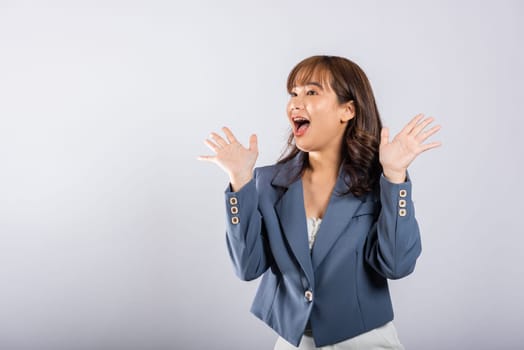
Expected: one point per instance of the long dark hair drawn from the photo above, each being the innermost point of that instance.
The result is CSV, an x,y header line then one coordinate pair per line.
x,y
359,149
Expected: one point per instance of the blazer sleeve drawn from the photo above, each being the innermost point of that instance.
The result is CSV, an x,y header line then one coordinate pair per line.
x,y
393,244
246,235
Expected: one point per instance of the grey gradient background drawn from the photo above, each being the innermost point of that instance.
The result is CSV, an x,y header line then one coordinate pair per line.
x,y
112,233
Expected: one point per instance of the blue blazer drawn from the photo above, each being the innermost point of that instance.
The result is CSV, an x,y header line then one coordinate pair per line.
x,y
340,286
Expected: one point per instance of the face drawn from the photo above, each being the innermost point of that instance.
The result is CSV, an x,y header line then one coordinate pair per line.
x,y
315,116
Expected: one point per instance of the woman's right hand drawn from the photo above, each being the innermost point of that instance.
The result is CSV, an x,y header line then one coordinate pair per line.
x,y
236,160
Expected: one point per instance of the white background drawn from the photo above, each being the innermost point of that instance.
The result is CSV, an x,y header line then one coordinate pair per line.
x,y
112,233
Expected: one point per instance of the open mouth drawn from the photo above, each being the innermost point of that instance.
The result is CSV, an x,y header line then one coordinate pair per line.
x,y
301,124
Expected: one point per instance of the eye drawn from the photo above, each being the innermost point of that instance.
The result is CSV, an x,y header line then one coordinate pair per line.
x,y
311,92
293,94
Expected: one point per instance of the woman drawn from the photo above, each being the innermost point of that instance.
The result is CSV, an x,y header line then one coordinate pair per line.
x,y
331,221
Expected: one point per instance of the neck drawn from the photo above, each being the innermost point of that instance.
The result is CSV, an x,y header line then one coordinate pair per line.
x,y
324,163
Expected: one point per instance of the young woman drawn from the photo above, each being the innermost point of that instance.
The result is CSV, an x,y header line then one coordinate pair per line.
x,y
331,221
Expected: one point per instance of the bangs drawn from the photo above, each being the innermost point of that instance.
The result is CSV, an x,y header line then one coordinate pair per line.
x,y
313,69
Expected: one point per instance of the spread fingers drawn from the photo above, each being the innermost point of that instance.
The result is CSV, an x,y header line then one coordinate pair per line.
x,y
218,139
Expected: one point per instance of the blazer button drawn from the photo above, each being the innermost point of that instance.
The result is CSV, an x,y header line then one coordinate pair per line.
x,y
234,210
402,212
308,295
402,203
403,193
234,220
233,201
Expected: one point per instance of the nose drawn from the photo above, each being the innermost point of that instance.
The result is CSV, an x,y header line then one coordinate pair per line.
x,y
295,103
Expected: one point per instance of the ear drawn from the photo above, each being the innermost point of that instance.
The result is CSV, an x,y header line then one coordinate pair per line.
x,y
348,111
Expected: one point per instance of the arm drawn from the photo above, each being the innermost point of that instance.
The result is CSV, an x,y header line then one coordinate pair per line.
x,y
393,245
245,234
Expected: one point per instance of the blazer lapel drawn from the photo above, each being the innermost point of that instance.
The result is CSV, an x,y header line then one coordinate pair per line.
x,y
292,215
337,217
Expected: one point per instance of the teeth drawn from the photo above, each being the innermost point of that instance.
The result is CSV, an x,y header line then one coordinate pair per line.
x,y
300,119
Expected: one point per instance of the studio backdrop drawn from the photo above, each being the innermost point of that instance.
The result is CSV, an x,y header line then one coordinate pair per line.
x,y
112,234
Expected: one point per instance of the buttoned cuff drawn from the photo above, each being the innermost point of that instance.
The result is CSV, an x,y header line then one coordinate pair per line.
x,y
243,197
397,195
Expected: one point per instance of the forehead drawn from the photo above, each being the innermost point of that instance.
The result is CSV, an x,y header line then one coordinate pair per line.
x,y
305,75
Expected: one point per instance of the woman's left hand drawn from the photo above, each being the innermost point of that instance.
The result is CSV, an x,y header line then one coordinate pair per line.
x,y
397,155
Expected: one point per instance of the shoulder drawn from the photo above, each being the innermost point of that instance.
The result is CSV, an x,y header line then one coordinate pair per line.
x,y
280,174
265,174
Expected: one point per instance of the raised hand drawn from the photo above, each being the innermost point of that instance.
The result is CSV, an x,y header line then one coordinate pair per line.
x,y
236,160
397,155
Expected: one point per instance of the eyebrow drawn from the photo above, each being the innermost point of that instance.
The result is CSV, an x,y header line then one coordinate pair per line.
x,y
315,84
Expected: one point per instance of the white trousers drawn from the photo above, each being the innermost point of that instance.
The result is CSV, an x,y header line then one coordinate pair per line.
x,y
384,337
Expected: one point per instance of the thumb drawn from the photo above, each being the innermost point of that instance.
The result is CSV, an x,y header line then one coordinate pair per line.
x,y
384,136
253,144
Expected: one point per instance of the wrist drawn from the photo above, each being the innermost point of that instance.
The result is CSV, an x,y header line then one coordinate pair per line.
x,y
395,176
239,180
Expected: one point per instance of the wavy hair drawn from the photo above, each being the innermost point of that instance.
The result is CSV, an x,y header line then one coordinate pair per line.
x,y
359,151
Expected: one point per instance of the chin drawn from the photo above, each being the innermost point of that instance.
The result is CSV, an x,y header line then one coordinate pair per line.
x,y
301,146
